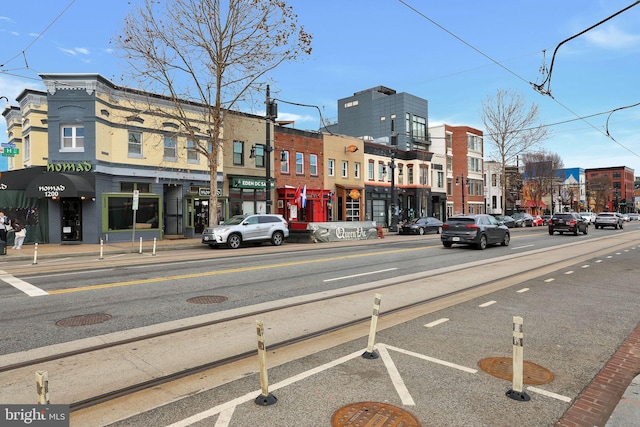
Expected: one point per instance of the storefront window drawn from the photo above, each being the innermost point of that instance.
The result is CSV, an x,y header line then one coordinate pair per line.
x,y
120,213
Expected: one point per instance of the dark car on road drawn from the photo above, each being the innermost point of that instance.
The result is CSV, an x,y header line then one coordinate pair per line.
x,y
422,226
568,222
506,220
523,219
477,230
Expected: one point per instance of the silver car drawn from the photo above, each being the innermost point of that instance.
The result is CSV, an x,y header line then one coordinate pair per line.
x,y
255,228
609,219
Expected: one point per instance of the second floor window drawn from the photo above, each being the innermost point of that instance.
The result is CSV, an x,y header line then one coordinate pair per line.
x,y
313,164
73,138
345,169
26,154
170,147
370,171
284,162
331,167
192,152
299,163
135,144
410,174
238,153
356,170
424,175
259,155
381,171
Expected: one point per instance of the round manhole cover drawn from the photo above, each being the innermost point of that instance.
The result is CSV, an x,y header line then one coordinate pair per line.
x,y
84,320
362,414
502,367
207,299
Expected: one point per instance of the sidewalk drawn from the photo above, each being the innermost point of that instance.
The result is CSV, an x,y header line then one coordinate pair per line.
x,y
626,360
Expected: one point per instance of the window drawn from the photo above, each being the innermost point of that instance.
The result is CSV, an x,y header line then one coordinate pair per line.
x,y
474,143
424,172
313,164
331,167
26,153
128,187
259,155
474,164
299,163
356,170
351,104
345,169
449,139
72,138
192,152
449,163
120,215
400,174
170,148
409,174
353,209
370,171
284,162
419,128
381,171
238,153
440,179
135,144
616,175
494,180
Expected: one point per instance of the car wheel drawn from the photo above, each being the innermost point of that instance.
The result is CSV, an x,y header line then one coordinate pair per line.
x,y
616,226
621,226
575,232
447,244
506,240
277,238
421,231
586,229
483,243
439,231
234,241
212,246
550,232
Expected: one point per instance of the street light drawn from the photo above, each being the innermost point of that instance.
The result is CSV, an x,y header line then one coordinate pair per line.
x,y
393,226
460,180
271,115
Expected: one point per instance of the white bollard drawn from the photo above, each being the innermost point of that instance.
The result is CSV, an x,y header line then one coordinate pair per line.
x,y
35,254
371,353
101,248
153,252
140,251
42,387
516,391
265,398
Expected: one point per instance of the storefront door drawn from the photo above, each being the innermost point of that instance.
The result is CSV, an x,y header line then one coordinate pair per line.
x,y
71,210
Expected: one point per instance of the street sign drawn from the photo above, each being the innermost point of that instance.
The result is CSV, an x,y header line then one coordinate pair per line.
x,y
10,152
136,197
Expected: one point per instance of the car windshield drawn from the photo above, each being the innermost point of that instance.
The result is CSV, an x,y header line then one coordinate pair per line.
x,y
234,220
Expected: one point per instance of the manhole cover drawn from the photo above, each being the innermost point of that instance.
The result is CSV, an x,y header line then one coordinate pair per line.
x,y
84,320
207,299
502,367
364,414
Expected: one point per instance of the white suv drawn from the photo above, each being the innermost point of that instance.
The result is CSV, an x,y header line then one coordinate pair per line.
x,y
256,228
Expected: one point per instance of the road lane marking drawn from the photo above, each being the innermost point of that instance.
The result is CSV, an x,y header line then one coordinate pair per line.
x,y
429,359
396,378
522,290
551,279
358,275
568,272
598,260
21,285
549,394
585,266
522,247
487,304
436,322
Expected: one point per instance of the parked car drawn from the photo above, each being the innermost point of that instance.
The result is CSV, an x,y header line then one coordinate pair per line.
x,y
625,217
506,220
423,225
609,219
545,219
589,217
634,217
255,228
538,221
523,219
569,222
477,230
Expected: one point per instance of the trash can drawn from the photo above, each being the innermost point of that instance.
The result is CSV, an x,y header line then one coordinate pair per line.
x,y
3,247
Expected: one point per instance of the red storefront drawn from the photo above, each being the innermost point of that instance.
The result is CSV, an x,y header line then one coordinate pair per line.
x,y
318,207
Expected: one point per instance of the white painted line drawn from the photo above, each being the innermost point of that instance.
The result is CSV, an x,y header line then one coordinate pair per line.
x,y
609,256
521,247
21,285
396,379
626,250
549,280
569,272
358,275
436,322
225,417
549,394
618,253
253,394
430,359
487,304
598,260
522,290
585,266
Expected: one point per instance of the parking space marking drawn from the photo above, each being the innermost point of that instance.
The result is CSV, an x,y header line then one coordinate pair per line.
x,y
549,280
430,359
21,285
522,290
436,322
487,304
225,417
396,379
361,274
549,394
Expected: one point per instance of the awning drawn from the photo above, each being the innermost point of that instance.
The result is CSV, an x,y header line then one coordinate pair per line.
x,y
55,184
532,204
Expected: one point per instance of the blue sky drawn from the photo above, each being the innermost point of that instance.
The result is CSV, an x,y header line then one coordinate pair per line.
x,y
444,52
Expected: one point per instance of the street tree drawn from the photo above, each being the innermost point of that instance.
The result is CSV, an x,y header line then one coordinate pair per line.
x,y
540,174
210,58
511,129
599,189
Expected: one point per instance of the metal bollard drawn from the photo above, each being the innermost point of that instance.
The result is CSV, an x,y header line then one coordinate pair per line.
x,y
265,398
35,254
371,353
42,387
101,249
153,252
516,392
140,251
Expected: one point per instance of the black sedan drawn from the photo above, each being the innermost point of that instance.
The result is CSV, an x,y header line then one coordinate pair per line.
x,y
569,222
478,230
422,226
506,220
